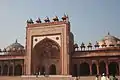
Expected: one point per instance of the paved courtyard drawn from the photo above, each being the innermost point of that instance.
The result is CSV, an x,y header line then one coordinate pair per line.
x,y
48,78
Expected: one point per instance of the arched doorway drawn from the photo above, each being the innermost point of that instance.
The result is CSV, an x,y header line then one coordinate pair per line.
x,y
84,69
46,52
94,69
52,70
102,67
42,70
75,70
10,70
5,69
113,68
18,70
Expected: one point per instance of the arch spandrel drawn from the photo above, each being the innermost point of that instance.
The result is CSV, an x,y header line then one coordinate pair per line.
x,y
38,39
48,44
45,52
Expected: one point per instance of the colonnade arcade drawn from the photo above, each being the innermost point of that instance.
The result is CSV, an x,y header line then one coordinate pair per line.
x,y
11,67
95,67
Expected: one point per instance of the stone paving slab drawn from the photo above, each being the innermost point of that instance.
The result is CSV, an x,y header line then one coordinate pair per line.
x,y
47,78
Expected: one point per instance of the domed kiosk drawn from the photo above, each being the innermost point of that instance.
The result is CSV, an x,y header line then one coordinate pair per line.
x,y
15,49
109,41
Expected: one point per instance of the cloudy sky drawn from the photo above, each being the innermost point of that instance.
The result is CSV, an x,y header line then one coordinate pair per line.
x,y
90,20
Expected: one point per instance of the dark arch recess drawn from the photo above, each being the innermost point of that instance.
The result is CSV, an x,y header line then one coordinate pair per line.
x,y
47,46
113,68
84,69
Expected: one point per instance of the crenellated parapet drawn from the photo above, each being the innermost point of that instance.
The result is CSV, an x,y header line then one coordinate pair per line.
x,y
96,46
108,42
47,20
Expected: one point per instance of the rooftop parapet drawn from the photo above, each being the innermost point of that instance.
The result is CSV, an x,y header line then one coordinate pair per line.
x,y
47,20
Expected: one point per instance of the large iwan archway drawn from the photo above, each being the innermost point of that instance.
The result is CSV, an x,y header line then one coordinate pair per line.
x,y
45,53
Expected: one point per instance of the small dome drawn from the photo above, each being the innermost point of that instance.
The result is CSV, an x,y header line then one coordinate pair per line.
x,y
15,46
109,40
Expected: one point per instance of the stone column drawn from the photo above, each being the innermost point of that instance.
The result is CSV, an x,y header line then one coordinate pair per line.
x,y
119,67
97,64
22,68
8,68
13,68
107,72
78,69
90,66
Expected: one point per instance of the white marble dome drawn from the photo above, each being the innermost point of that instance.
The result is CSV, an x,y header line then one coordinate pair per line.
x,y
15,46
109,40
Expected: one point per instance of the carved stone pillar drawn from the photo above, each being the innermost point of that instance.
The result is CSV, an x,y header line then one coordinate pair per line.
x,y
22,69
13,67
8,68
107,72
78,69
119,67
97,64
90,66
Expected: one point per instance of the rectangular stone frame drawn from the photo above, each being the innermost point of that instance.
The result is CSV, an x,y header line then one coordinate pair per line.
x,y
49,28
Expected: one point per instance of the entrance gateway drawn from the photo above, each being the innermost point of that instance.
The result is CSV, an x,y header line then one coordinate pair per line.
x,y
47,47
50,49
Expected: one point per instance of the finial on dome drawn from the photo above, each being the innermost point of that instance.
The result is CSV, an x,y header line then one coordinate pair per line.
x,y
108,33
16,41
47,19
30,21
65,17
55,18
38,20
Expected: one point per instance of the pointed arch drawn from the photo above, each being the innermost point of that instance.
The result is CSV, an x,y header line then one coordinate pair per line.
x,y
84,69
42,70
48,41
102,67
113,68
48,47
94,69
5,69
75,70
43,52
11,70
18,70
52,70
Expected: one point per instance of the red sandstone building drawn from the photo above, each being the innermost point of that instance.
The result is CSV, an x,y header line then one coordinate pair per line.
x,y
50,48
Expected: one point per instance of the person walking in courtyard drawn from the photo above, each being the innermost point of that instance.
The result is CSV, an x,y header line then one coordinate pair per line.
x,y
103,77
113,77
108,77
97,77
